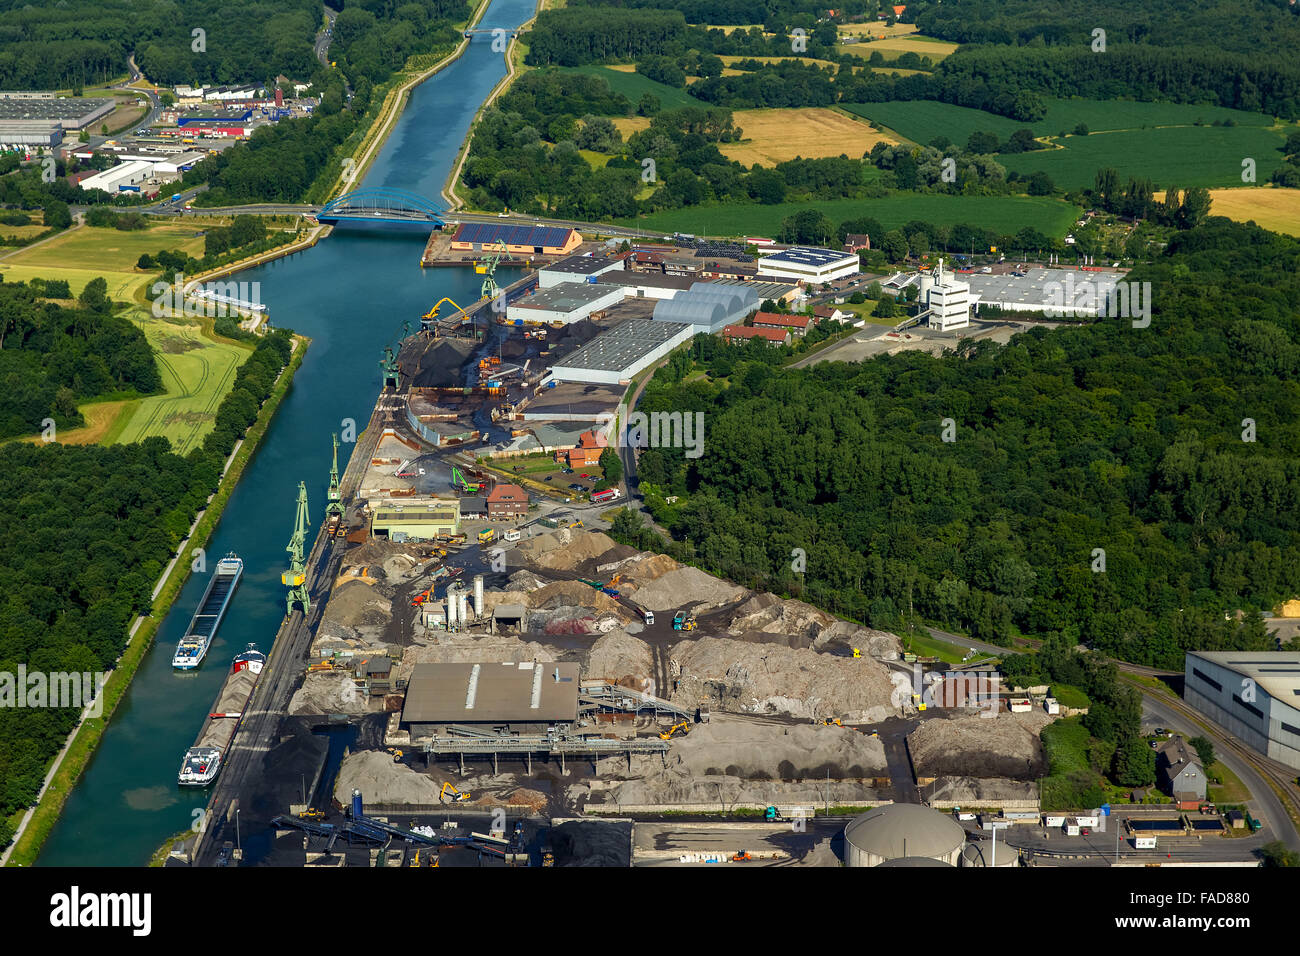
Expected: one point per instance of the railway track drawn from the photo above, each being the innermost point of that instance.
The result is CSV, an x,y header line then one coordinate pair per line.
x,y
1279,778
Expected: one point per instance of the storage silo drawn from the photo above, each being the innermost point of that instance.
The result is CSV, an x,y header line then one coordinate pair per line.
x,y
902,830
452,605
464,607
478,597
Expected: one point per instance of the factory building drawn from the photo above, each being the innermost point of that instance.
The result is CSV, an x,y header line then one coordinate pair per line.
x,y
1252,695
1074,292
563,303
232,118
615,356
179,163
526,697
808,265
415,519
902,830
518,239
775,291
708,306
577,269
645,285
29,110
122,175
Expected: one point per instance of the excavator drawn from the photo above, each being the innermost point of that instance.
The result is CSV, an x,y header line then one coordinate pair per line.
x,y
830,722
672,731
741,857
312,814
456,795
397,754
432,314
683,621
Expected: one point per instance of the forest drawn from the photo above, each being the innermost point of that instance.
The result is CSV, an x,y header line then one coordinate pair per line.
x,y
78,573
1136,490
54,356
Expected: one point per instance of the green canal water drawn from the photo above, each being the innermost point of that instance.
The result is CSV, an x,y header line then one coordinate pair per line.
x,y
351,294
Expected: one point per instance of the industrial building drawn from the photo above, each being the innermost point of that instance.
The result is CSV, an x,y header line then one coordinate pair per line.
x,y
563,303
645,285
708,306
518,239
119,177
775,291
902,830
808,264
615,356
576,269
179,163
1036,290
1251,694
527,697
69,112
415,519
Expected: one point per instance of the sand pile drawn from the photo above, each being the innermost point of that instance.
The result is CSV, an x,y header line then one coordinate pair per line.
x,y
592,843
461,648
566,620
686,586
976,791
329,692
374,552
842,636
774,679
382,781
754,750
1004,746
725,792
354,604
769,614
571,594
620,659
400,567
564,549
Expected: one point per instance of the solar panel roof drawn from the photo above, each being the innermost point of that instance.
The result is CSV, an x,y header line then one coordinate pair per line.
x,y
512,235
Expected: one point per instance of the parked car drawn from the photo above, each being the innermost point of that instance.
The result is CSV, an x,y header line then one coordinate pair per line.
x,y
575,487
547,478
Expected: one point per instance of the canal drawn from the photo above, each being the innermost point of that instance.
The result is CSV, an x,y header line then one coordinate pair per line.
x,y
351,295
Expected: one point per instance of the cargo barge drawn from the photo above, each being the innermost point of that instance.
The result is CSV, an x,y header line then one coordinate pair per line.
x,y
203,760
193,647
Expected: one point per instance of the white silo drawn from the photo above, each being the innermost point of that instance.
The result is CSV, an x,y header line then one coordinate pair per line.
x,y
478,596
451,608
464,607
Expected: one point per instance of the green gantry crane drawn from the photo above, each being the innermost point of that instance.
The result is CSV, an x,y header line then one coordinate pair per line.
x,y
335,495
390,369
295,579
488,269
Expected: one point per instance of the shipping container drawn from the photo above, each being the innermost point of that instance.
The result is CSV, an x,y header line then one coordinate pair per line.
x,y
1071,829
1144,843
1054,820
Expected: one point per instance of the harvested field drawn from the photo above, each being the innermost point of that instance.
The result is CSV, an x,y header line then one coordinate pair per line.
x,y
1004,746
894,47
877,28
776,135
774,679
1270,208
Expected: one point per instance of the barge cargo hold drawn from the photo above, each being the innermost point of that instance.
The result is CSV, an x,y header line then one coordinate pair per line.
x,y
203,761
193,647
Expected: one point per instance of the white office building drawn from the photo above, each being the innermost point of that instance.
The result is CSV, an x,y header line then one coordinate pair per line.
x,y
123,174
808,264
949,301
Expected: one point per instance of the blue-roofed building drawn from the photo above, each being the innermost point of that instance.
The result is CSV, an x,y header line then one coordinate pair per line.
x,y
520,238
808,264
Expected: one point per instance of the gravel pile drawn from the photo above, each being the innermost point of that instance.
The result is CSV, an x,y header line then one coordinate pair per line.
x,y
380,780
774,679
686,585
970,745
463,648
564,549
620,659
354,604
329,692
754,750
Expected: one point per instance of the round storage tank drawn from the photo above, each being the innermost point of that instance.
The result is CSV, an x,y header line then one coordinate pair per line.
x,y
902,830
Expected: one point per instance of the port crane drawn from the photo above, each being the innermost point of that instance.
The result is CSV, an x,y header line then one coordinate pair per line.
x,y
295,579
431,316
461,483
487,268
334,509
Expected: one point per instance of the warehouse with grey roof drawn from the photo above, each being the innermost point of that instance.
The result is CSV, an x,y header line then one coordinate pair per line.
x,y
528,696
1251,694
617,355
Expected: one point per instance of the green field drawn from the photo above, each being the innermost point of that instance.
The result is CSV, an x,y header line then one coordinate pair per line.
x,y
1004,214
634,86
1179,156
197,373
1156,140
924,120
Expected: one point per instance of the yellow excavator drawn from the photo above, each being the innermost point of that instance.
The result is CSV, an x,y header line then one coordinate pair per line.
x,y
397,754
830,722
433,313
456,795
672,731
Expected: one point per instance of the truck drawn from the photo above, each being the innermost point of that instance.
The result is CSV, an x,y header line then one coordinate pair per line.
x,y
487,536
609,494
176,197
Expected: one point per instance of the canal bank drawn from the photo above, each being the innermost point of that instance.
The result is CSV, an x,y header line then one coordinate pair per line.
x,y
351,294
